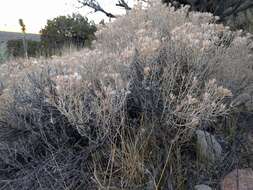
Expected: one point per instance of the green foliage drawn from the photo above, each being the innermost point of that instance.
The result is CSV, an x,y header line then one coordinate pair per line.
x,y
3,53
16,49
67,31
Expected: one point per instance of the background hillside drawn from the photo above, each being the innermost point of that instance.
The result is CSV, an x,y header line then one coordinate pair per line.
x,y
10,36
6,36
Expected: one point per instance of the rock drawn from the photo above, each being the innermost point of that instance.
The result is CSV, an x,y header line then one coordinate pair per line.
x,y
202,187
208,146
241,179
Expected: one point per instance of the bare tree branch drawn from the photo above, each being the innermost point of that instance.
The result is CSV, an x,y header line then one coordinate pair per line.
x,y
96,6
122,3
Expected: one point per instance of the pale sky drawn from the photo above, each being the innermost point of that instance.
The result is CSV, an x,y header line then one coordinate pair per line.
x,y
35,13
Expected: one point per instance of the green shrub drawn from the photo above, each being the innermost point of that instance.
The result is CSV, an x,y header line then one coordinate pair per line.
x,y
67,31
16,49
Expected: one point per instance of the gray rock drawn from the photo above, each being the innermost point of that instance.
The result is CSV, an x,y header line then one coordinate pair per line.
x,y
238,179
202,187
208,146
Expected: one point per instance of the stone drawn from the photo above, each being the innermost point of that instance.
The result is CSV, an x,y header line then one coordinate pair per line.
x,y
202,187
241,179
208,146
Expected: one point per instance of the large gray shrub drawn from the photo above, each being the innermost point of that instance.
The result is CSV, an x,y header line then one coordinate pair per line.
x,y
122,114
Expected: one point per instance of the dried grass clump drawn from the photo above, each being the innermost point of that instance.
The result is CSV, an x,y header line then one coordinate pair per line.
x,y
121,115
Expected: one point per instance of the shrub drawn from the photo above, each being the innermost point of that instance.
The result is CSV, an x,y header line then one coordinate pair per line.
x,y
65,31
16,49
3,53
122,114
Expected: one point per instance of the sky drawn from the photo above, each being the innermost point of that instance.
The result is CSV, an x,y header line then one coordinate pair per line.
x,y
35,13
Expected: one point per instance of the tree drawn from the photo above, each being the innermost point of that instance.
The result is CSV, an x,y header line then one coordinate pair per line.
x,y
220,8
223,9
65,31
227,10
238,14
